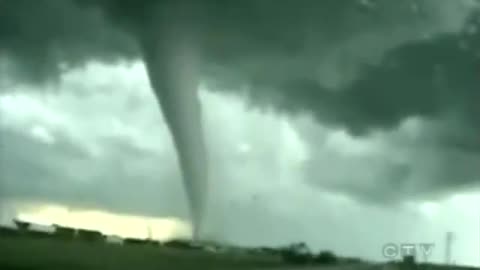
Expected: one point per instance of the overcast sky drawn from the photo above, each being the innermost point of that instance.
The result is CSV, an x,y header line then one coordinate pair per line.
x,y
289,160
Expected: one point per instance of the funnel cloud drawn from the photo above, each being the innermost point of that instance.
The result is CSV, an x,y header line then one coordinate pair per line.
x,y
167,46
172,67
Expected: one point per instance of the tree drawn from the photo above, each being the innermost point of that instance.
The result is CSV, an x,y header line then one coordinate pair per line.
x,y
326,257
297,253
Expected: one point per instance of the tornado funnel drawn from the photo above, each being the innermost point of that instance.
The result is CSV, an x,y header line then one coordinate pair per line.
x,y
171,60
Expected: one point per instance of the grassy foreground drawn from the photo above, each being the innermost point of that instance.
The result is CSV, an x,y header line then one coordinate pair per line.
x,y
51,254
22,253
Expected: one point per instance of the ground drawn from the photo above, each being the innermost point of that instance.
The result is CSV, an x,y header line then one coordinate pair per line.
x,y
53,254
48,254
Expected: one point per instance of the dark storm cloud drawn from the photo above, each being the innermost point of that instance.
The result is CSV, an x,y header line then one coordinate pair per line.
x,y
38,40
42,38
405,165
426,79
423,78
435,79
425,177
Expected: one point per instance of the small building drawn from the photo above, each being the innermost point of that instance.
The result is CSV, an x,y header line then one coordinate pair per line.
x,y
90,236
64,233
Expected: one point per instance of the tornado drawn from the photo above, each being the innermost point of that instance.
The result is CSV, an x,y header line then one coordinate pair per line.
x,y
171,56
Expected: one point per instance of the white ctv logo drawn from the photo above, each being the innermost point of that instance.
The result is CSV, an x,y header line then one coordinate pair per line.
x,y
393,250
